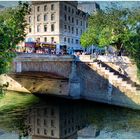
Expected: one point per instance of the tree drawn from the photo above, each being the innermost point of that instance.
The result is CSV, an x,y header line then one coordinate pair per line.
x,y
111,27
117,27
12,31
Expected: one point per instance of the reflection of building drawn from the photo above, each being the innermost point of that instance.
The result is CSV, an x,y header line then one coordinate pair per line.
x,y
56,21
1,7
88,7
56,121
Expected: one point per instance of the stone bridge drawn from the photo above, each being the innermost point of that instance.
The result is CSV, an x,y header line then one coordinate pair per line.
x,y
69,77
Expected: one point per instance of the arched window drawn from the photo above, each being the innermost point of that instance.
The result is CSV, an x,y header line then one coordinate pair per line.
x,y
52,17
45,39
45,17
38,8
52,39
45,7
52,27
45,28
52,7
65,8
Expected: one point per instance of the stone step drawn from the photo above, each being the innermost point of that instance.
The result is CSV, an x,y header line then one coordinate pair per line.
x,y
133,89
101,72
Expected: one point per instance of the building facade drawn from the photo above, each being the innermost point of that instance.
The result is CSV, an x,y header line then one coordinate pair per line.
x,y
59,22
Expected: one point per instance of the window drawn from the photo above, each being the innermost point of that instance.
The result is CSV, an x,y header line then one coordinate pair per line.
x,y
77,22
45,122
38,28
69,28
65,8
52,7
65,39
72,20
69,18
69,9
65,17
68,40
38,17
52,39
52,132
81,23
45,7
45,17
72,30
72,11
38,131
81,31
29,19
65,27
76,41
52,27
76,31
30,29
52,123
72,40
45,132
45,28
52,16
30,9
38,8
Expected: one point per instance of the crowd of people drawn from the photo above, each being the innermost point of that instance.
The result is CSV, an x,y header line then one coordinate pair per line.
x,y
48,51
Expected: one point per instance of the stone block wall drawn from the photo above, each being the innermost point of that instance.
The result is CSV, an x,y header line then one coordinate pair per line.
x,y
96,88
58,68
34,83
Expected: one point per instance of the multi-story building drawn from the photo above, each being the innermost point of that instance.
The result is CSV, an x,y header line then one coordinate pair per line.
x,y
60,22
88,7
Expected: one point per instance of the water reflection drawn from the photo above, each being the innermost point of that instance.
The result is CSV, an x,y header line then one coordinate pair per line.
x,y
56,120
60,118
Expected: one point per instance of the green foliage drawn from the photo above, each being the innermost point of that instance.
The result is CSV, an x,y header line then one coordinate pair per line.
x,y
117,27
111,27
12,31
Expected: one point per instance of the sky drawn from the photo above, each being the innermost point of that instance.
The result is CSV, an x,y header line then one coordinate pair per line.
x,y
103,3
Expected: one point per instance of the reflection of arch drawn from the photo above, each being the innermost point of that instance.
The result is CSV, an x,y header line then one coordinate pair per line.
x,y
30,39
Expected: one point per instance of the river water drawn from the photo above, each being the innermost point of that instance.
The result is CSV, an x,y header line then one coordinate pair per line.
x,y
28,116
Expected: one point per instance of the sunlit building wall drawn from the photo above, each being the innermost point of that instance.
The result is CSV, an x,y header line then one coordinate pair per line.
x,y
56,22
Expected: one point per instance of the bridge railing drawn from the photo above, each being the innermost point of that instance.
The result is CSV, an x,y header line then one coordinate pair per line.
x,y
32,55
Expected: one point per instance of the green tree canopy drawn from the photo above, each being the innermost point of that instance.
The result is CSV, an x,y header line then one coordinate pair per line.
x,y
111,27
12,31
